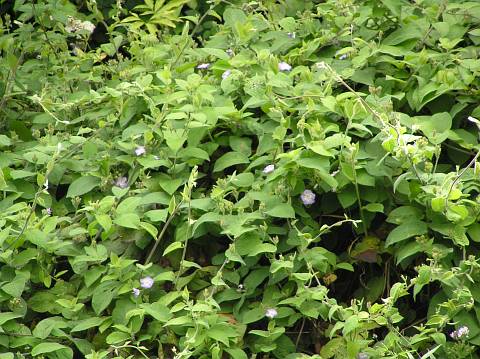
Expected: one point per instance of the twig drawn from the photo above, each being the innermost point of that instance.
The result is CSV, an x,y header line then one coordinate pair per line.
x,y
162,233
470,164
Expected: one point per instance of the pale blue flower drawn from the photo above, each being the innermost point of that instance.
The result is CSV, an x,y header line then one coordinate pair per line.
x,y
461,332
146,282
283,66
269,169
140,150
121,182
226,74
204,66
307,197
136,292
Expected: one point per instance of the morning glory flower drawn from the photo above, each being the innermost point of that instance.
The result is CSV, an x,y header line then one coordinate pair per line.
x,y
140,150
271,313
146,282
121,182
362,356
307,197
283,66
343,57
49,211
269,169
136,292
203,66
463,331
230,52
291,35
226,74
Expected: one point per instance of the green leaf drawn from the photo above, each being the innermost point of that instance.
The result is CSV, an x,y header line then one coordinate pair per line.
x,y
44,348
101,299
407,250
230,159
82,185
104,220
283,210
5,141
5,317
406,230
159,311
87,324
45,326
172,247
128,220
157,215
222,333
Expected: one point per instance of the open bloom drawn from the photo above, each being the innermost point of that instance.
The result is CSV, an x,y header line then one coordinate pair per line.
x,y
230,52
307,197
291,35
146,282
136,292
269,169
226,74
271,313
140,150
283,66
203,66
461,332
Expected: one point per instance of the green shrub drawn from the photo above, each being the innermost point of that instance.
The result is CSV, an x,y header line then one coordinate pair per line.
x,y
186,179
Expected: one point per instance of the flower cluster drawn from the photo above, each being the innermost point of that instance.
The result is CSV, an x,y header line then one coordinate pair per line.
x,y
74,25
146,283
461,332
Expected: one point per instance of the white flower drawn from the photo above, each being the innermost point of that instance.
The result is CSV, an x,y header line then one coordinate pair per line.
x,y
226,74
88,26
230,52
307,197
74,25
269,169
271,313
146,282
283,66
291,35
49,211
136,292
140,150
203,66
343,57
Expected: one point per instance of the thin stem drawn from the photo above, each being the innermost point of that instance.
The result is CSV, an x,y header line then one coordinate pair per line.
x,y
462,172
162,233
359,200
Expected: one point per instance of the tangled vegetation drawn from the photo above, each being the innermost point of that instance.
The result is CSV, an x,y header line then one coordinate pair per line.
x,y
239,179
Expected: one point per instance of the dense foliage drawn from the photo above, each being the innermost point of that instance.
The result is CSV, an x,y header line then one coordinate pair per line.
x,y
239,179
